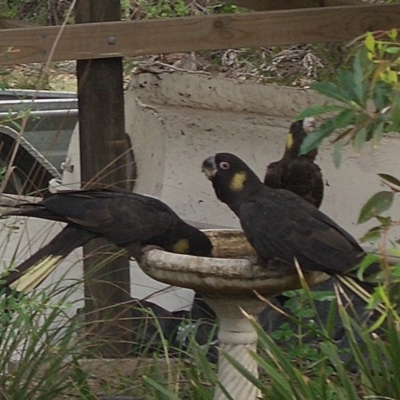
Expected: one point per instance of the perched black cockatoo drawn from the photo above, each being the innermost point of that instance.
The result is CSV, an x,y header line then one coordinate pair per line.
x,y
279,224
129,220
297,173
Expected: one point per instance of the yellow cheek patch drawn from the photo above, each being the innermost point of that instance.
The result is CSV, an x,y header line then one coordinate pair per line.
x,y
289,141
237,181
181,246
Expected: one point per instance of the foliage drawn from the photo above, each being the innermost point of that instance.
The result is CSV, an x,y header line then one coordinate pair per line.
x,y
149,9
163,9
50,12
39,346
372,355
366,369
301,329
196,379
44,348
365,100
364,105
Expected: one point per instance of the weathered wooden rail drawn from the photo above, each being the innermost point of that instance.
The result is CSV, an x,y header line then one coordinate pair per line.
x,y
211,32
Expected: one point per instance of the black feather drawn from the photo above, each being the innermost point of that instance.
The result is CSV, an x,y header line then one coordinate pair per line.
x,y
129,220
279,224
297,173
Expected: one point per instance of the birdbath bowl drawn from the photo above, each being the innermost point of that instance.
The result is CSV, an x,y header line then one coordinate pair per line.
x,y
228,282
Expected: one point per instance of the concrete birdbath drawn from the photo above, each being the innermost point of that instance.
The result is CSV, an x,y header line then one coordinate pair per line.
x,y
228,282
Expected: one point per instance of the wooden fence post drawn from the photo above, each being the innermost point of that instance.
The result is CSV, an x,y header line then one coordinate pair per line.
x,y
105,159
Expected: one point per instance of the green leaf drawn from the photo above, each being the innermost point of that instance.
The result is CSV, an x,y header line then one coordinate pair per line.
x,y
394,252
337,153
372,235
323,295
357,85
390,75
330,350
384,221
396,270
392,50
242,369
378,133
370,42
318,110
390,178
361,118
332,91
160,388
344,118
378,322
393,34
359,139
365,60
377,204
346,80
314,139
367,261
381,95
395,112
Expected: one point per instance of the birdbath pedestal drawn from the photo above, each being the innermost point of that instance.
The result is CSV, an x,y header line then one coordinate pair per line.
x,y
228,283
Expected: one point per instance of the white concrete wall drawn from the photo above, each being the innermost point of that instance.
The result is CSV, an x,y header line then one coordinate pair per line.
x,y
193,116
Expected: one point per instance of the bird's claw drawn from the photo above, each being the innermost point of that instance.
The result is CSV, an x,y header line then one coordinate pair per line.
x,y
149,247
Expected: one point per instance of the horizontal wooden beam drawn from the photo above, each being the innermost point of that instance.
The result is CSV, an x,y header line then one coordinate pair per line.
x,y
334,3
268,5
262,5
133,38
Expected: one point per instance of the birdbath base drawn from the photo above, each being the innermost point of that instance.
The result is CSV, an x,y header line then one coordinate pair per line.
x,y
237,338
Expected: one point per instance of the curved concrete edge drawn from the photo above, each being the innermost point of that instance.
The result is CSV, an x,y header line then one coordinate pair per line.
x,y
213,276
180,89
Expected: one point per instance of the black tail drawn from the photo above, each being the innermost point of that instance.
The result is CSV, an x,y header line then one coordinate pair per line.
x,y
30,273
34,210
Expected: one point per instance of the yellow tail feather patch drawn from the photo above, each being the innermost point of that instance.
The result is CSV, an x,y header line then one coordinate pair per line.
x,y
181,246
36,274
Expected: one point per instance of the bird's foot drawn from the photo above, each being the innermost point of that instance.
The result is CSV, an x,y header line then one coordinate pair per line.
x,y
145,249
252,259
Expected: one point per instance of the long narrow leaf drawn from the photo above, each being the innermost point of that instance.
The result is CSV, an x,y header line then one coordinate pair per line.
x,y
390,178
160,388
318,110
314,139
377,204
332,91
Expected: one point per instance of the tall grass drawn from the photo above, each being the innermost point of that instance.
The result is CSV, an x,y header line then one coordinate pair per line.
x,y
40,345
365,365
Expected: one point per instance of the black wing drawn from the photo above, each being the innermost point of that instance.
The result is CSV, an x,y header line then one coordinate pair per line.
x,y
281,225
120,217
303,177
273,175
